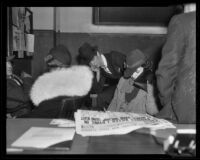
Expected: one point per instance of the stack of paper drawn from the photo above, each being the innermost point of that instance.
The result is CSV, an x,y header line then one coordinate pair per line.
x,y
63,123
43,137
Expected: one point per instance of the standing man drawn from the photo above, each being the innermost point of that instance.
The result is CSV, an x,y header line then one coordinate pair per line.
x,y
176,74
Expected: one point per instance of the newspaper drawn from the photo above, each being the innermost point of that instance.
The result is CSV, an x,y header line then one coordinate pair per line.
x,y
95,123
63,123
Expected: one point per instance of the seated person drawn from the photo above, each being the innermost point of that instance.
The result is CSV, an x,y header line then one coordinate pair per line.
x,y
107,69
18,100
57,92
134,93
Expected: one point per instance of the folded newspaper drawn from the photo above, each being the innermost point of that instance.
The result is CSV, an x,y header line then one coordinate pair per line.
x,y
95,123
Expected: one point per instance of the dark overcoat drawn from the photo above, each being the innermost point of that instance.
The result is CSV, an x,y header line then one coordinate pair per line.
x,y
176,74
18,95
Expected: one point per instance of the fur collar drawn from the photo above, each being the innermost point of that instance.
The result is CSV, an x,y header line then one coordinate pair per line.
x,y
73,81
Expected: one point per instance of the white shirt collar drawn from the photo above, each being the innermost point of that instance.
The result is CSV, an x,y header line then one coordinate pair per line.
x,y
104,60
105,64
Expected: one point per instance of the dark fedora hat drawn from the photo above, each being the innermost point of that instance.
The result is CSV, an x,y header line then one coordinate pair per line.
x,y
135,59
87,52
10,57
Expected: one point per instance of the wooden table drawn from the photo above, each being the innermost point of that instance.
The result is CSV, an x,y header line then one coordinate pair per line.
x,y
136,142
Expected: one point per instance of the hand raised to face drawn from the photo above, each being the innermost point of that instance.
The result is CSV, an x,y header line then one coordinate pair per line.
x,y
137,73
96,62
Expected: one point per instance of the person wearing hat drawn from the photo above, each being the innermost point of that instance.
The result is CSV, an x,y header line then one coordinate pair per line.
x,y
18,100
58,92
107,69
134,93
58,56
111,64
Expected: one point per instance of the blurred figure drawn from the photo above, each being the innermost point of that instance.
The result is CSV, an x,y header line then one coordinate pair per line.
x,y
134,93
189,7
18,100
176,72
107,69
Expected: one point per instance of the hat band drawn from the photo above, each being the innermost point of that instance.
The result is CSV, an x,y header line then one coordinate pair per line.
x,y
138,63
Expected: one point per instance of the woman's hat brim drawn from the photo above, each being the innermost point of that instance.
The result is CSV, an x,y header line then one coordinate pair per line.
x,y
129,71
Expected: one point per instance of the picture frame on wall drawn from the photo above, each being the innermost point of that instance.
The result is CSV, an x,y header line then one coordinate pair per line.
x,y
135,16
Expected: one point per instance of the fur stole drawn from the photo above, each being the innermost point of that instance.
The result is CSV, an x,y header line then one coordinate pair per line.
x,y
73,81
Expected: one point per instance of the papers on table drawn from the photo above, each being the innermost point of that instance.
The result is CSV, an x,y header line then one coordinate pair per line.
x,y
95,123
63,123
88,123
43,137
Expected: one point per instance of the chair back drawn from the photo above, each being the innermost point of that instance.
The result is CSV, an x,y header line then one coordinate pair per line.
x,y
69,106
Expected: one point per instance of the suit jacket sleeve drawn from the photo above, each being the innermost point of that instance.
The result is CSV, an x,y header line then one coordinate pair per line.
x,y
27,84
15,91
167,69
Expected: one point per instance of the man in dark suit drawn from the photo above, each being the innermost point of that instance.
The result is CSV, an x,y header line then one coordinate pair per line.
x,y
108,69
18,100
176,74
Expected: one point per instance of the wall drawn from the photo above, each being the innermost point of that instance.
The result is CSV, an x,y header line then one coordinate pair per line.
x,y
43,18
43,25
43,43
75,26
150,44
79,19
124,43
